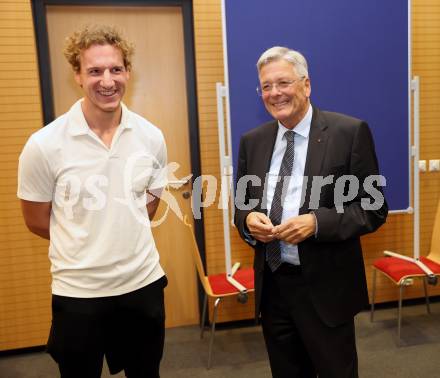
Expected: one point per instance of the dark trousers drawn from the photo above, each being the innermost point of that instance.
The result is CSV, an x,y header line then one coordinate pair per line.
x,y
128,329
298,342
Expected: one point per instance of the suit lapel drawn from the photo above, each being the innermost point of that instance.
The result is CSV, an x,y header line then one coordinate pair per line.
x,y
315,152
265,149
317,145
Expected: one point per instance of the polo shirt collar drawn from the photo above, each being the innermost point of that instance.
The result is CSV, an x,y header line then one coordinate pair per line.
x,y
77,123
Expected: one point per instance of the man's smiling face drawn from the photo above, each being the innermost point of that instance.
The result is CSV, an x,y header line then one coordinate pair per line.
x,y
103,77
290,104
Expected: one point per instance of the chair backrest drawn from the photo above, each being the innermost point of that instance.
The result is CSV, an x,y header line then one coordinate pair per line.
x,y
198,260
434,253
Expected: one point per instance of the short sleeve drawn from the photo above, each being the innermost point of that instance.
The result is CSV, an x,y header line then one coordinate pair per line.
x,y
159,179
35,181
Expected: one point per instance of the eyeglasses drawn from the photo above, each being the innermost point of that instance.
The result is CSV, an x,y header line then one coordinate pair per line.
x,y
280,85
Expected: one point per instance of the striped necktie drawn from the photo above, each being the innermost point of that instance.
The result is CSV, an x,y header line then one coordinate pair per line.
x,y
273,249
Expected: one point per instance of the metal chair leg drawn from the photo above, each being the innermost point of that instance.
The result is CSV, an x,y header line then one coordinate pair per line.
x,y
399,312
211,342
202,322
373,294
425,288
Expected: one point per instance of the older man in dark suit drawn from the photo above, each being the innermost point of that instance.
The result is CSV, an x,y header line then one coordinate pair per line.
x,y
308,187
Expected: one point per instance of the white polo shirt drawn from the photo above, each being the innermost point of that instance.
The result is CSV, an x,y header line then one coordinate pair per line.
x,y
100,237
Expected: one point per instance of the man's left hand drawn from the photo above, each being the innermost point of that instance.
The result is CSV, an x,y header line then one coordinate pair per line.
x,y
296,229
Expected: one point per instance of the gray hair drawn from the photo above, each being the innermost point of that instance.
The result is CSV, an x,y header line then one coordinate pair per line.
x,y
283,53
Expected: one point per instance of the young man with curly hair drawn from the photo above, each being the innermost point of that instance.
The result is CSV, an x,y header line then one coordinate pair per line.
x,y
90,182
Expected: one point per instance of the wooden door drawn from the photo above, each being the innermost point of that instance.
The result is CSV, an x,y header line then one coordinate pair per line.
x,y
157,91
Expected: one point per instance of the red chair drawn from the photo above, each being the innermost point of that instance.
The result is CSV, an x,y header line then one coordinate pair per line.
x,y
217,286
399,271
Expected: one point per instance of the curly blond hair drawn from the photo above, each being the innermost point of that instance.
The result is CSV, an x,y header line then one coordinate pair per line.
x,y
96,35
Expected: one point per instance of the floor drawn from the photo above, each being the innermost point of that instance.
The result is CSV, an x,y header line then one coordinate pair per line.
x,y
240,352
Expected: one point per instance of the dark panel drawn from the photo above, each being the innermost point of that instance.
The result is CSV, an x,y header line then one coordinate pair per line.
x,y
358,64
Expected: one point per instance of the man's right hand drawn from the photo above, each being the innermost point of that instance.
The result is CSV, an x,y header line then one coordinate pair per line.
x,y
260,226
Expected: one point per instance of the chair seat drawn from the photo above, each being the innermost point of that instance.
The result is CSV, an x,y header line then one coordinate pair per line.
x,y
221,286
398,269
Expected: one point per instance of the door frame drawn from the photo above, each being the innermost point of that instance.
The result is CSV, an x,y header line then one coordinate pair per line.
x,y
42,43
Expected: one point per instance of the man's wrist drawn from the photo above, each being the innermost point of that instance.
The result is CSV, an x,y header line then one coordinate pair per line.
x,y
248,238
316,223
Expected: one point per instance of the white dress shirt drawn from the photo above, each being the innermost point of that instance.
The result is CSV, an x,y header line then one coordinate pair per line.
x,y
292,200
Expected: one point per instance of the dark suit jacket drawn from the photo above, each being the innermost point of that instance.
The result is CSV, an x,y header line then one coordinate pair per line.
x,y
332,262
